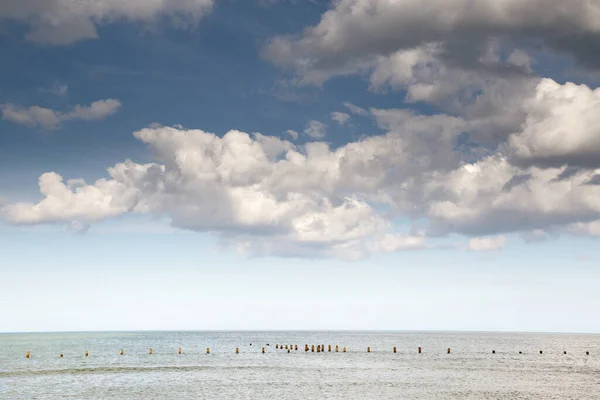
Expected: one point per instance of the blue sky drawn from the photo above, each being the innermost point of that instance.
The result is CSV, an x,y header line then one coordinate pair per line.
x,y
383,176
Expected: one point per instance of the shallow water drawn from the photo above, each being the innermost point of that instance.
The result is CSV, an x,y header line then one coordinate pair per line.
x,y
471,371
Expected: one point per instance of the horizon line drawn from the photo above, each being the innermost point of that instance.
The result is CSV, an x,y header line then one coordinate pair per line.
x,y
298,330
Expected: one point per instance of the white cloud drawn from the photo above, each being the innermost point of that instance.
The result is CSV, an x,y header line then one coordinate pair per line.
x,y
256,192
265,195
391,243
46,118
97,110
32,117
340,117
487,243
562,126
316,129
354,109
60,22
292,134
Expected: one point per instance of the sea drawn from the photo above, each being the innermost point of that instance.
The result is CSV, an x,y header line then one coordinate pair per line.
x,y
479,365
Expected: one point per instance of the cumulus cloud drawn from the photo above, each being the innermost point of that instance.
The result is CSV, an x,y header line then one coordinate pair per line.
x,y
254,191
292,134
39,117
487,243
354,32
264,195
316,129
59,22
562,127
340,117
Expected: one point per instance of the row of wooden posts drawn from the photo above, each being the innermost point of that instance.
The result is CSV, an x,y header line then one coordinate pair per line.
x,y
319,349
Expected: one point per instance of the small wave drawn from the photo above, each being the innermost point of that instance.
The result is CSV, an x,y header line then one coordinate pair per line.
x,y
125,369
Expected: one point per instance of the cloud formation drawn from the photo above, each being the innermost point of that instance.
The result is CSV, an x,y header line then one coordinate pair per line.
x,y
487,243
266,196
256,192
60,22
316,130
355,34
340,117
39,117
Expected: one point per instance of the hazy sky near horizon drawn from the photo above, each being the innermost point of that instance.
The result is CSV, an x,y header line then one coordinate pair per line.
x,y
281,164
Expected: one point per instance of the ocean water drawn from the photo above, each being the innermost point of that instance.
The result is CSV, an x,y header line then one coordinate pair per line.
x,y
470,371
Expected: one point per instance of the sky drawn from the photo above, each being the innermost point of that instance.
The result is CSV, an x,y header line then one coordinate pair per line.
x,y
282,164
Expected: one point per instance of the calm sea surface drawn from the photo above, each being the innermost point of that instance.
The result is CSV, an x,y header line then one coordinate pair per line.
x,y
471,371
